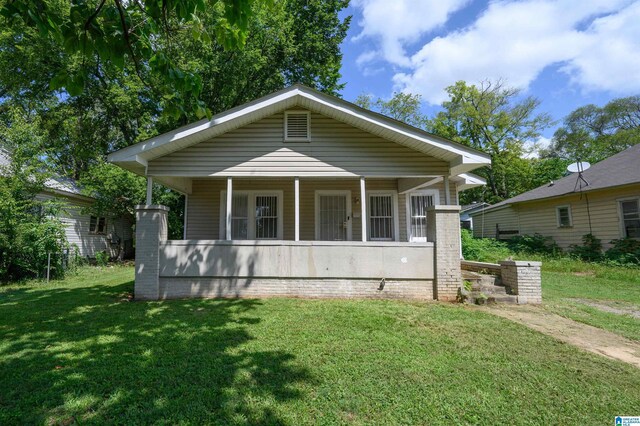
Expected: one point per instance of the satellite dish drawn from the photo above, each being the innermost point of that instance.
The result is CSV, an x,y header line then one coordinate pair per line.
x,y
578,167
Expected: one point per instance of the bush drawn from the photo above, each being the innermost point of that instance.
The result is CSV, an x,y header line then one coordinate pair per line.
x,y
102,258
29,232
589,251
483,249
624,251
536,243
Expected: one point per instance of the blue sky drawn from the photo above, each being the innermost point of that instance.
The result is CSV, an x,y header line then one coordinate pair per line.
x,y
567,53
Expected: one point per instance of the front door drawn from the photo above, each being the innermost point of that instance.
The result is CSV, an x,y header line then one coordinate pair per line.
x,y
333,216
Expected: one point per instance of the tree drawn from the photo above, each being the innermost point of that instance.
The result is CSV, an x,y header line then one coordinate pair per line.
x,y
403,107
290,41
494,119
138,32
594,133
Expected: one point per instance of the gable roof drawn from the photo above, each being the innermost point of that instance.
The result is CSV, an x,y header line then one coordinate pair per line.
x,y
620,169
462,159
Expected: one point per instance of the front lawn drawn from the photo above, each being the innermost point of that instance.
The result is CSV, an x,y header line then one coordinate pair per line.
x,y
604,296
78,351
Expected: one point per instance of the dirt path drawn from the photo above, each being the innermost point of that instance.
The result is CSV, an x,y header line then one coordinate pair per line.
x,y
584,336
611,308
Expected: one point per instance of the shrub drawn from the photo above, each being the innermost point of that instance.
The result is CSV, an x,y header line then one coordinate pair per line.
x,y
102,258
590,250
535,243
483,249
29,233
624,251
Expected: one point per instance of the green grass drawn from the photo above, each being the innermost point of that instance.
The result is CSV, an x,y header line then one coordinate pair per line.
x,y
77,351
564,282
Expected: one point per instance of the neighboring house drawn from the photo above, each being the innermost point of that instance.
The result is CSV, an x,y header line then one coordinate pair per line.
x,y
90,234
606,204
466,221
302,194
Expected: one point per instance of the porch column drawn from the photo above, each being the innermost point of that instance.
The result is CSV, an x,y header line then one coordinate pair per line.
x,y
447,193
229,205
363,207
149,190
151,230
443,229
296,191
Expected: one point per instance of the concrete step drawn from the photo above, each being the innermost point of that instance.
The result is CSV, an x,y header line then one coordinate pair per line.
x,y
488,289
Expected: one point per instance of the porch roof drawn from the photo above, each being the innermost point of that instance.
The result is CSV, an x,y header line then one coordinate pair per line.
x,y
461,159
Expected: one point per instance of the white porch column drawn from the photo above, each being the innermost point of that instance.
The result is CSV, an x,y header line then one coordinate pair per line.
x,y
363,207
447,194
229,203
149,190
296,190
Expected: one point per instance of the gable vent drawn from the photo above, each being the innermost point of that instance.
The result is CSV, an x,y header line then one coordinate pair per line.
x,y
296,126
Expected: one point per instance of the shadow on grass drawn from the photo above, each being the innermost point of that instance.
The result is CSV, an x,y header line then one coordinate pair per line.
x,y
87,355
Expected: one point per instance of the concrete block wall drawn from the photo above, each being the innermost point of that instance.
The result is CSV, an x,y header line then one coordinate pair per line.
x,y
443,229
151,230
524,280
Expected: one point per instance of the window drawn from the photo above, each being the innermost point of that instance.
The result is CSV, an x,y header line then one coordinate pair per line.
x,y
563,215
417,203
97,225
254,215
297,126
630,218
382,211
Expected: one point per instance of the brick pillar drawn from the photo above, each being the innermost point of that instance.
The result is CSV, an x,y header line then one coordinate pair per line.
x,y
443,229
151,229
523,278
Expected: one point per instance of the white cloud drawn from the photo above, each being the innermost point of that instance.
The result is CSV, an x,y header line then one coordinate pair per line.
x,y
533,149
395,23
516,40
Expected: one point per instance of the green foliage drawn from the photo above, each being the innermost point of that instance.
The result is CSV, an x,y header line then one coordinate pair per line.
x,y
590,250
536,243
28,231
624,251
137,33
102,258
483,249
594,133
403,107
496,120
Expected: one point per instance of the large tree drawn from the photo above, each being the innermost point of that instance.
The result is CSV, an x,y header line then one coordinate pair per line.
x,y
125,102
497,120
594,133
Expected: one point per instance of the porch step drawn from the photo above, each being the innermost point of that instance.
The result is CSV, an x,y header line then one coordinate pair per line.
x,y
485,289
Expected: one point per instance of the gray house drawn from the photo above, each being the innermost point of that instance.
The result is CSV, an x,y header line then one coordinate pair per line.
x,y
88,233
302,194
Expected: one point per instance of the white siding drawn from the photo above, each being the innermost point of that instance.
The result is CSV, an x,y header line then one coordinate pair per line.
x,y
484,224
335,149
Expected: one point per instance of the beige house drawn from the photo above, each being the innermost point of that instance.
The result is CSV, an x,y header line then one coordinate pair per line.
x,y
605,203
302,194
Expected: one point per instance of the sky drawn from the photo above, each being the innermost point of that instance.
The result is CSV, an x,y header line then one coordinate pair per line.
x,y
567,53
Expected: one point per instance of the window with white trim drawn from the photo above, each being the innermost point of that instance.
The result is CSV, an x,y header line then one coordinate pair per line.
x,y
417,204
630,218
381,209
563,216
255,215
97,225
297,126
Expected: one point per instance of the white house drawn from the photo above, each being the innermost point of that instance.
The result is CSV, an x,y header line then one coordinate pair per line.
x,y
300,193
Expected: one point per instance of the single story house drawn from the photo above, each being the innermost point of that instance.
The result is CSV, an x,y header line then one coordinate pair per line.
x,y
604,200
85,232
300,193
